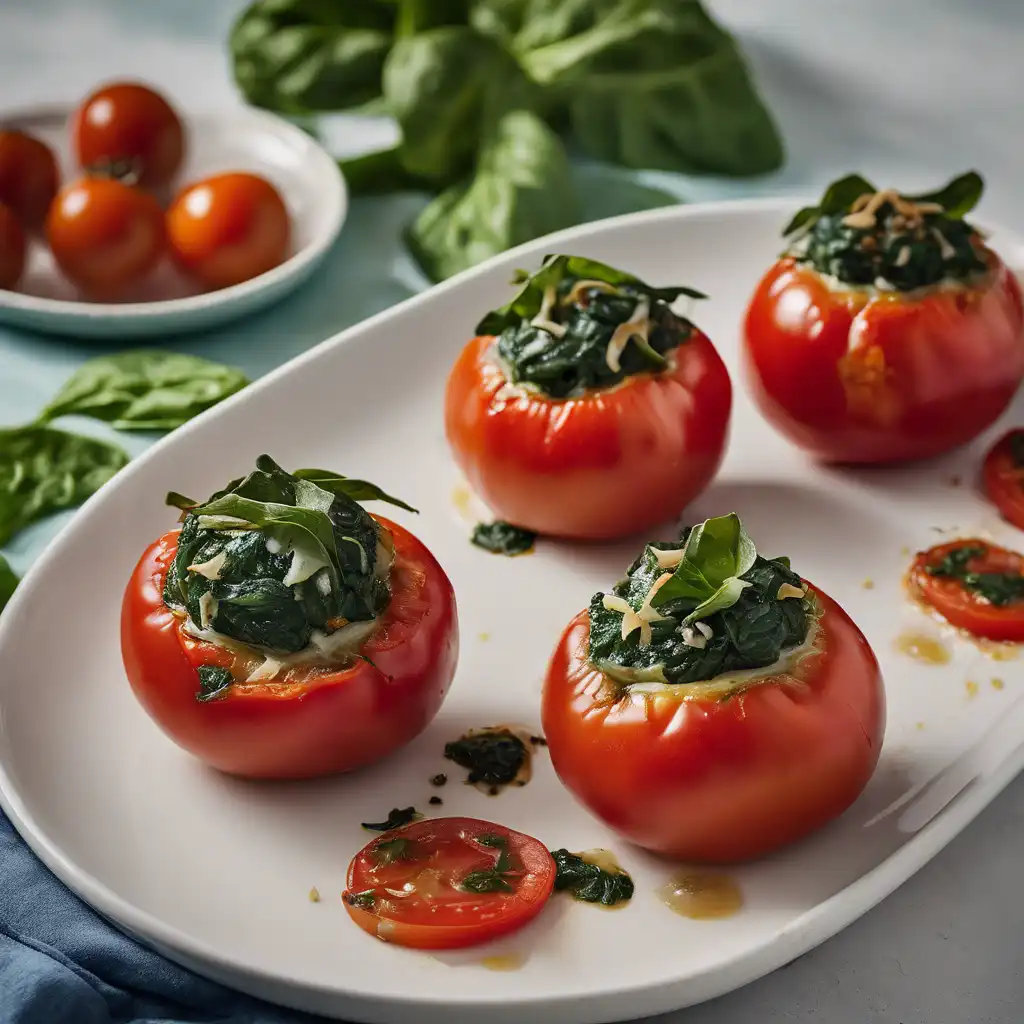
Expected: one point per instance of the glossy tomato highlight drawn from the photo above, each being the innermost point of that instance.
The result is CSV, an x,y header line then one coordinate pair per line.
x,y
697,777
320,722
606,464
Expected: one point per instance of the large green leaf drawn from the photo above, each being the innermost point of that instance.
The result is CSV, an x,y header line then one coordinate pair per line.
x,y
356,490
957,197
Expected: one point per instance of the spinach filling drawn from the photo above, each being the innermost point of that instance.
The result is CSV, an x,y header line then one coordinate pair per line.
x,y
998,588
275,558
693,609
862,236
578,324
588,882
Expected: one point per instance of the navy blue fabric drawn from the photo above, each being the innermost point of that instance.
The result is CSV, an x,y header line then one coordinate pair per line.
x,y
60,963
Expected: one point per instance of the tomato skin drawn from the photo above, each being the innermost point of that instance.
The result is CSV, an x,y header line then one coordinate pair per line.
x,y
467,919
12,248
129,122
716,781
331,723
1003,480
105,235
29,177
228,228
604,465
867,379
962,608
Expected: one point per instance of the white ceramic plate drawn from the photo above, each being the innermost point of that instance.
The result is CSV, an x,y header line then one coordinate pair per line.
x,y
215,872
243,139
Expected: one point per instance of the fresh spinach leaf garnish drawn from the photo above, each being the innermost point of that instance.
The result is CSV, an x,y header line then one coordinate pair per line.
x,y
147,389
501,538
389,851
588,882
214,682
8,582
577,324
44,470
998,588
864,237
397,818
363,900
347,487
693,609
496,877
493,757
274,559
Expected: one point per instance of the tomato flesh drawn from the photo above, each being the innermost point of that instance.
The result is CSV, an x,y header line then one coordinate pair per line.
x,y
854,377
228,229
417,889
29,177
313,721
717,780
607,464
12,248
960,605
1003,477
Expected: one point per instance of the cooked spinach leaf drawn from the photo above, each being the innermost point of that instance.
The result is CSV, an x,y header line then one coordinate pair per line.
x,y
145,389
899,243
496,877
389,851
8,582
998,588
347,487
363,900
588,882
44,470
397,818
274,557
727,609
501,538
214,681
493,757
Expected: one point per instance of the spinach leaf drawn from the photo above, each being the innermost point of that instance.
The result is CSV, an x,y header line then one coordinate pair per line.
x,y
378,173
347,487
390,851
8,582
652,84
998,588
145,389
397,818
957,197
214,682
44,470
838,198
300,56
415,16
522,188
363,900
496,877
501,538
494,757
588,882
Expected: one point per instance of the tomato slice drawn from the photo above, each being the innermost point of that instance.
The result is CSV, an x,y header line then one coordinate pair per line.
x,y
1002,476
447,883
965,605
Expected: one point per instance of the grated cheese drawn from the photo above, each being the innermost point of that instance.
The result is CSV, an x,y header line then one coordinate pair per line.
x,y
788,590
543,318
636,326
210,569
669,558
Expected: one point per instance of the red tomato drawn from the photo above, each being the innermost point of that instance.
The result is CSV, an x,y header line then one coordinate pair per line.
x,y
105,235
228,229
29,178
609,463
702,778
851,377
428,863
129,124
12,248
313,722
962,606
1002,476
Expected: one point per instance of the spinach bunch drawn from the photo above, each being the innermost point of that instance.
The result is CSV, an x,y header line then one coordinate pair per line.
x,y
558,333
724,609
640,83
274,556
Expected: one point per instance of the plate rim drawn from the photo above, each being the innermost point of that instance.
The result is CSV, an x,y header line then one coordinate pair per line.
x,y
797,937
335,203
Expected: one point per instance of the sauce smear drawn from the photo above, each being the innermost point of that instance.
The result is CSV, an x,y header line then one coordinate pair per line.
x,y
702,896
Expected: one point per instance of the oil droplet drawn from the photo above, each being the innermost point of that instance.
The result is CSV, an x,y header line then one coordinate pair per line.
x,y
920,725
868,584
463,501
972,688
505,962
922,647
904,551
1000,652
702,896
997,684
483,637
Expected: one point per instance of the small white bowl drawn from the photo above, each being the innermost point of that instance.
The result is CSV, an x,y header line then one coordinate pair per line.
x,y
244,139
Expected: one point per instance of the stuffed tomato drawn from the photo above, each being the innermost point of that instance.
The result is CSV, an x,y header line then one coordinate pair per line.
x,y
888,330
713,706
284,632
586,407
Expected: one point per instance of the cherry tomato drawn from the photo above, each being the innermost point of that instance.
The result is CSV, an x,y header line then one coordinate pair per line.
x,y
854,377
964,606
462,882
312,722
29,178
105,235
685,773
12,248
128,126
1002,476
228,229
609,463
